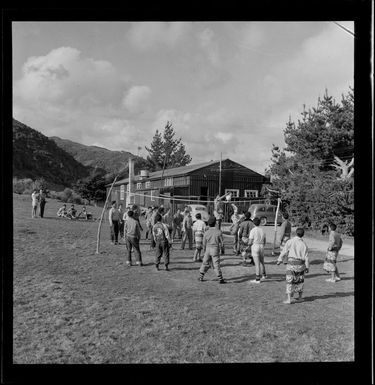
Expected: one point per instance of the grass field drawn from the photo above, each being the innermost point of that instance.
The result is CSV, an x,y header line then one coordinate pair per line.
x,y
74,306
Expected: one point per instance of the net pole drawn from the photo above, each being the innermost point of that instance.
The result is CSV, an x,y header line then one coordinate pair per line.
x,y
102,215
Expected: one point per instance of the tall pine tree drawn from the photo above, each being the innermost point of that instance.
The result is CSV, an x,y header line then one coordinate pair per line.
x,y
304,172
166,151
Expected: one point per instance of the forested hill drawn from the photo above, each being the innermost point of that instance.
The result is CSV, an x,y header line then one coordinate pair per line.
x,y
36,156
110,161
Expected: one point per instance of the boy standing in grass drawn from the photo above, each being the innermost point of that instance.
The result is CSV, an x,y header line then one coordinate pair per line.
x,y
114,222
212,243
257,240
187,225
334,246
243,237
298,264
162,240
132,234
34,203
198,230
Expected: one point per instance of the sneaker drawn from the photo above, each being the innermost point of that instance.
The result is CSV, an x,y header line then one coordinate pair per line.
x,y
330,280
338,279
264,277
200,279
254,281
167,268
138,264
222,281
157,267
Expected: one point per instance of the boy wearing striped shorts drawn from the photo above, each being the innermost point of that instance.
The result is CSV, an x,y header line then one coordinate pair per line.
x,y
298,264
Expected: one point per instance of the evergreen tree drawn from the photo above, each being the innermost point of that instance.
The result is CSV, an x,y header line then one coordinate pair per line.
x,y
304,172
156,152
166,151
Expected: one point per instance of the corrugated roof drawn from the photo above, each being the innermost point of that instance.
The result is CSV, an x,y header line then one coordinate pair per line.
x,y
175,171
169,172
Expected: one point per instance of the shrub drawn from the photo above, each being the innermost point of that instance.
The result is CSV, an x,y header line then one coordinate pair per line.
x,y
53,195
22,186
65,196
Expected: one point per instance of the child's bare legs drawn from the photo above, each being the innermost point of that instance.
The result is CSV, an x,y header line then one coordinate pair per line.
x,y
197,255
337,274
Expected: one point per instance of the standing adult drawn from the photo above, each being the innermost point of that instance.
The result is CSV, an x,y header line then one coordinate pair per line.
x,y
187,225
148,216
243,238
160,234
285,231
42,202
132,233
176,225
121,220
34,203
114,222
168,220
236,221
137,214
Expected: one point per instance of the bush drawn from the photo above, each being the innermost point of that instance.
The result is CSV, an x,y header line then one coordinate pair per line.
x,y
75,198
22,186
65,196
53,195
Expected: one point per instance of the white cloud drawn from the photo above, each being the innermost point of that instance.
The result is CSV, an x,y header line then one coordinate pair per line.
x,y
150,35
64,75
134,99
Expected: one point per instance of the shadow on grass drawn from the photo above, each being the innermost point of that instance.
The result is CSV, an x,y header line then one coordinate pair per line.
x,y
332,295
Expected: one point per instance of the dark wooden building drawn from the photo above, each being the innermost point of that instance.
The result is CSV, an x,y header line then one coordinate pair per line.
x,y
198,183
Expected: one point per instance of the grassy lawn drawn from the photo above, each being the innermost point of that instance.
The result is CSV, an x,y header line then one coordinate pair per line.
x,y
73,306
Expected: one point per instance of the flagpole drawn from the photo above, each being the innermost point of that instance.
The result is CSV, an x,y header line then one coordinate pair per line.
x,y
220,175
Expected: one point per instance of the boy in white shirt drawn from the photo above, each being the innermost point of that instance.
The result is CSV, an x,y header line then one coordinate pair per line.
x,y
198,230
257,240
298,264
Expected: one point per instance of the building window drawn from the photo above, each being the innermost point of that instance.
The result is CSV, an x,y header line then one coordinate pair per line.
x,y
251,193
122,192
235,193
168,182
139,186
147,184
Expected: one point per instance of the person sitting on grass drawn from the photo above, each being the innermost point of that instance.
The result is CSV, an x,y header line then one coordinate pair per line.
x,y
298,264
257,241
62,212
86,215
163,242
212,244
72,213
334,246
198,230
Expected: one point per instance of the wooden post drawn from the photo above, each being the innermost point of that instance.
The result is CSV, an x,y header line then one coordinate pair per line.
x,y
277,213
101,217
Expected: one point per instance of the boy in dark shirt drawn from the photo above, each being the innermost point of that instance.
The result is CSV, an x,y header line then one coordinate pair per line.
x,y
212,243
243,238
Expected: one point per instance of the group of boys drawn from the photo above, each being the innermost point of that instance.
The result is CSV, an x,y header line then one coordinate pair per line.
x,y
71,213
249,241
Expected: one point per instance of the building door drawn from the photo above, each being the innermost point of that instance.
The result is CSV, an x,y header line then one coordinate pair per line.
x,y
203,194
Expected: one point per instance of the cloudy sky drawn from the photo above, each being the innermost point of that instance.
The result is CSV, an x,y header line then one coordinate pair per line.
x,y
227,87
